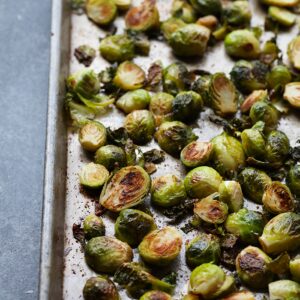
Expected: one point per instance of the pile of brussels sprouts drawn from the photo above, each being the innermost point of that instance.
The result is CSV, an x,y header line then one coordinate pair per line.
x,y
250,159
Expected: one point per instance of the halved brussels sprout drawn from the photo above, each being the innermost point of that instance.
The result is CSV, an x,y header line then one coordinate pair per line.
x,y
293,179
204,248
93,175
254,182
129,76
123,4
167,190
255,96
196,154
227,155
186,106
202,182
160,247
279,75
106,254
242,295
171,25
156,295
208,21
284,290
237,13
127,188
292,93
201,86
295,268
230,192
92,136
144,17
117,48
242,43
190,40
223,96
132,225
282,16
294,51
100,288
184,11
140,126
282,233
133,100
207,7
246,224
161,107
190,296
173,136
93,226
102,12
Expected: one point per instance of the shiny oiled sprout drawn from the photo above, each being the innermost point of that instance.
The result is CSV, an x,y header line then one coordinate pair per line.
x,y
129,76
281,3
102,12
106,254
132,225
127,188
284,290
295,268
230,192
140,126
161,107
100,288
282,233
133,100
255,96
237,13
248,225
184,11
208,21
202,182
93,175
156,295
282,16
292,93
252,268
204,248
167,190
294,52
279,75
207,7
293,179
93,226
123,4
242,295
160,247
171,25
201,86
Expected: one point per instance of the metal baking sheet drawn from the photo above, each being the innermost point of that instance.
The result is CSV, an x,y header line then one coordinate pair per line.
x,y
63,268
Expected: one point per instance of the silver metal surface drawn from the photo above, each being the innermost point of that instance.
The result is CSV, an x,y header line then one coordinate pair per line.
x,y
63,268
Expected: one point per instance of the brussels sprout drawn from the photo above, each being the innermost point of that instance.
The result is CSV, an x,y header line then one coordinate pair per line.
x,y
184,11
223,96
237,13
209,21
129,76
207,7
196,154
173,136
190,40
100,288
117,48
255,96
161,107
282,16
294,52
167,190
201,86
171,25
242,295
160,247
92,136
106,254
253,182
293,179
140,126
279,75
295,268
123,4
144,17
205,248
246,224
93,226
126,188
156,295
231,193
227,155
242,43
186,106
93,175
284,290
292,94
190,296
252,268
102,12
202,181
249,76
132,225
281,3
85,55
282,233
174,78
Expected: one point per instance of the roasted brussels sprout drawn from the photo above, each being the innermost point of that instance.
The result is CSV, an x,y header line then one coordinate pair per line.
x,y
156,295
167,190
190,296
292,94
255,96
132,225
123,4
284,290
93,226
208,21
161,107
102,12
279,75
186,106
281,3
93,175
85,55
231,193
205,248
100,288
223,96
252,268
294,52
201,86
160,247
144,17
295,268
190,40
293,179
174,136
282,233
207,7
106,254
184,11
129,76
227,155
282,16
246,224
171,25
237,13
140,126
242,43
254,182
202,182
126,188
242,295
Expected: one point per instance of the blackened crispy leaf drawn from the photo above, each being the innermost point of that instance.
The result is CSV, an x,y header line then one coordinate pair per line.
x,y
78,234
154,156
117,137
85,54
154,77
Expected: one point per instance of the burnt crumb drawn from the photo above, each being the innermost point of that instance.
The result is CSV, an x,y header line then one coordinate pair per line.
x,y
78,234
99,209
85,55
